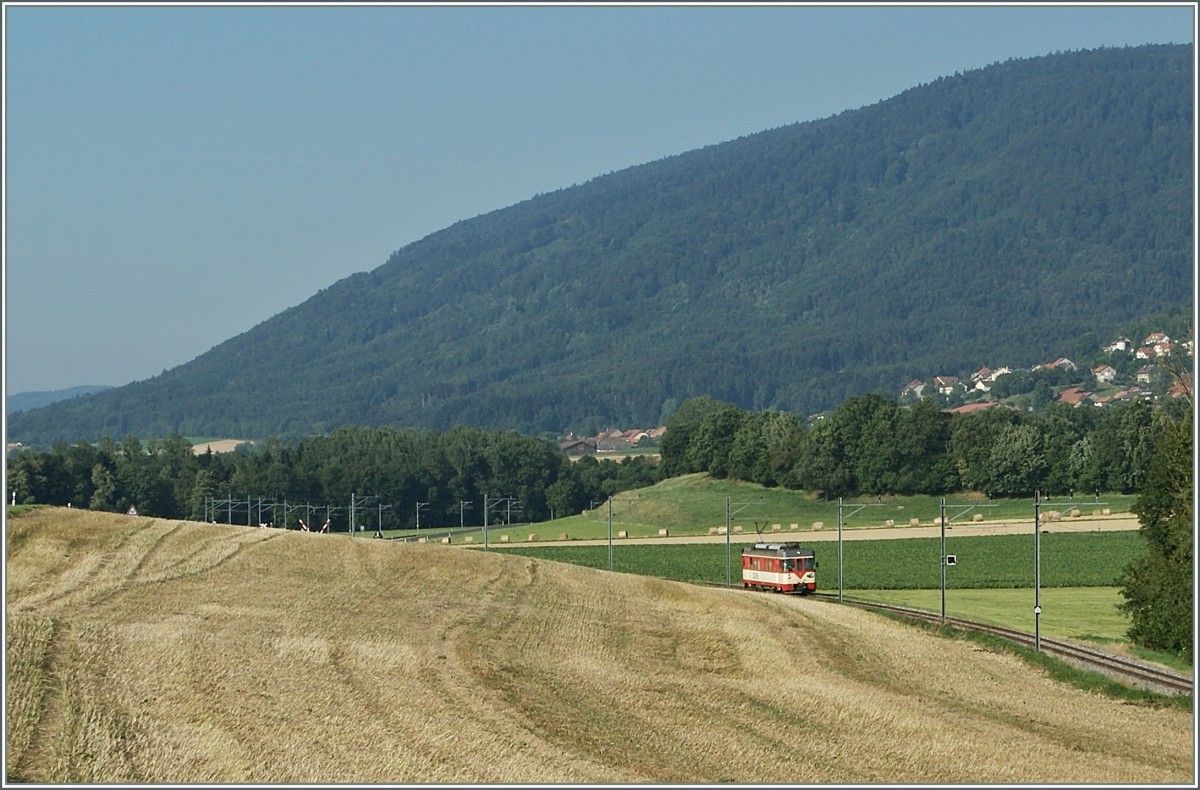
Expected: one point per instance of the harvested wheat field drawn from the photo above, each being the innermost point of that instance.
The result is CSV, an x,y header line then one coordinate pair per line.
x,y
151,651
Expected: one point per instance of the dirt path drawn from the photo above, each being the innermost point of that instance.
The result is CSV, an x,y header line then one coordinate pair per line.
x,y
1118,521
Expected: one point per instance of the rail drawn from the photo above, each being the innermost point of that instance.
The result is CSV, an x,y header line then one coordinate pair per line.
x,y
1127,670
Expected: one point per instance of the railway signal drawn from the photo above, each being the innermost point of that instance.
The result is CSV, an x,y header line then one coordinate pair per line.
x,y
950,559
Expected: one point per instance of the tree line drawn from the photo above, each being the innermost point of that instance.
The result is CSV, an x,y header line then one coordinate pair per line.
x,y
450,473
872,445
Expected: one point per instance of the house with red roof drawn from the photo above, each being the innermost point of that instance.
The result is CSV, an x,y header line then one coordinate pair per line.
x,y
1073,396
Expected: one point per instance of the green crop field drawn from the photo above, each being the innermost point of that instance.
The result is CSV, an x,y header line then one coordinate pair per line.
x,y
1068,559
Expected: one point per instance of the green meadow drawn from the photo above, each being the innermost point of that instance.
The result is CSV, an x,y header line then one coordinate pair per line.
x,y
695,504
1068,559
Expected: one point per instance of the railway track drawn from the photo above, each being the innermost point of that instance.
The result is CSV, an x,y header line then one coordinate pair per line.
x,y
1126,670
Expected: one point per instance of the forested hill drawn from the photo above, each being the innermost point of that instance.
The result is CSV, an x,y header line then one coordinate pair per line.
x,y
993,216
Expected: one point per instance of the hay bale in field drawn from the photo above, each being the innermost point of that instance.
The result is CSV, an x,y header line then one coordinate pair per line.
x,y
504,538
722,530
662,533
914,522
422,540
445,540
468,539
562,536
737,528
818,525
776,527
1074,512
532,537
890,522
1096,511
1106,512
714,530
622,534
795,526
977,517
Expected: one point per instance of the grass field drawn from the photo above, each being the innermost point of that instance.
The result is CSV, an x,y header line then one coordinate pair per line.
x,y
148,651
1077,559
694,504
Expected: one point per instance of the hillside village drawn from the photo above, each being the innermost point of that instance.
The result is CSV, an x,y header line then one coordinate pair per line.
x,y
1100,386
1105,385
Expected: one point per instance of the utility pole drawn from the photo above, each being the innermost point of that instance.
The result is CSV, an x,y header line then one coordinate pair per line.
x,y
857,507
419,506
1038,504
947,559
610,533
610,539
463,504
728,552
1037,571
487,507
379,526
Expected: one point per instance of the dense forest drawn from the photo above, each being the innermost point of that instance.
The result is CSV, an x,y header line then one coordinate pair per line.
x,y
994,215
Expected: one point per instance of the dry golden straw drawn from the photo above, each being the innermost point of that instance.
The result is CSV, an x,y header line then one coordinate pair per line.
x,y
149,651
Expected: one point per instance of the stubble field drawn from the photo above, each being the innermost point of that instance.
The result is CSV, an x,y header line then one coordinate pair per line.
x,y
143,650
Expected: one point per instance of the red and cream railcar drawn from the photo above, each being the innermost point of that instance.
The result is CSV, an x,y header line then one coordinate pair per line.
x,y
781,567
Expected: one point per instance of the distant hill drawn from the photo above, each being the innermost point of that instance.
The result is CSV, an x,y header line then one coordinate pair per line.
x,y
24,401
997,214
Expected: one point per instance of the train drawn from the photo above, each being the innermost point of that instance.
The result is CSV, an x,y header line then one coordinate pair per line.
x,y
779,567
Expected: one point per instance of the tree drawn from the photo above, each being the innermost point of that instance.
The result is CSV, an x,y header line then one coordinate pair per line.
x,y
677,456
562,497
19,484
1158,586
1017,465
104,485
712,442
971,439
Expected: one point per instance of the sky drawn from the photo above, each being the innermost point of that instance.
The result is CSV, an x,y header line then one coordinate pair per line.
x,y
175,175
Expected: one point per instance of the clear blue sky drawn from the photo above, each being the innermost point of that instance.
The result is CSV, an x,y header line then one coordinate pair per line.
x,y
176,175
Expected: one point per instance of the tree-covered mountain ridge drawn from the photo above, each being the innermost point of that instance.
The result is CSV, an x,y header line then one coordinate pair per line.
x,y
1000,213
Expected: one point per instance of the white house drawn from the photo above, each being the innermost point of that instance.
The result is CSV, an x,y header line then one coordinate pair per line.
x,y
1104,373
945,384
